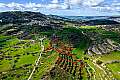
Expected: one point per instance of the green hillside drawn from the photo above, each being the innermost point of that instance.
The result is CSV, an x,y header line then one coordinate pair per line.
x,y
34,46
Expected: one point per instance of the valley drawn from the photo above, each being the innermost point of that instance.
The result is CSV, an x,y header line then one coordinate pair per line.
x,y
34,46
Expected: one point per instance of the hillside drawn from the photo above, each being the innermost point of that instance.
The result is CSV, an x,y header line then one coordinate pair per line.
x,y
35,46
20,17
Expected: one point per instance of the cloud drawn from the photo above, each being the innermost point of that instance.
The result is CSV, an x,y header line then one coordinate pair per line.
x,y
55,1
10,5
67,4
17,6
108,7
92,2
53,6
56,5
74,2
70,5
85,2
2,5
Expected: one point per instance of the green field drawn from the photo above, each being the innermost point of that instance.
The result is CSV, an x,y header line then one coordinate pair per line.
x,y
114,67
110,57
20,57
88,27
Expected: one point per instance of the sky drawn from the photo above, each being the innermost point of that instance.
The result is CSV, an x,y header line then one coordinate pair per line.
x,y
64,7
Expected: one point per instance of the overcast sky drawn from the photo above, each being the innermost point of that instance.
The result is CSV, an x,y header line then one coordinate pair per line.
x,y
64,7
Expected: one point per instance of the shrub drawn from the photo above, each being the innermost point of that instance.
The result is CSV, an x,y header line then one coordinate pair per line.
x,y
99,62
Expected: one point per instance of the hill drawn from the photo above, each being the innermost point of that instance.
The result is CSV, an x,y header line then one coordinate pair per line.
x,y
100,22
35,46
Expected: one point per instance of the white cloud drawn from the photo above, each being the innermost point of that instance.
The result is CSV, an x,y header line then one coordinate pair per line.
x,y
67,4
55,1
56,5
85,2
17,6
108,7
10,5
92,2
33,5
53,6
30,5
74,2
2,4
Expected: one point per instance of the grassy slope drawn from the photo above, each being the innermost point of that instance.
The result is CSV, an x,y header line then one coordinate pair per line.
x,y
110,57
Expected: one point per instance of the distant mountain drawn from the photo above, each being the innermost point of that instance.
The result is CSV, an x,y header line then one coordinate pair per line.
x,y
100,22
58,17
115,18
95,20
63,18
85,18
